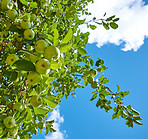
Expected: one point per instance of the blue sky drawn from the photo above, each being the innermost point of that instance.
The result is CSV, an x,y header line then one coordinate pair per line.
x,y
78,118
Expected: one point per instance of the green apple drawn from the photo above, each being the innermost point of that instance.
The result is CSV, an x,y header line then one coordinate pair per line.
x,y
6,4
41,125
9,122
42,66
12,14
19,38
11,59
18,106
29,34
40,46
52,53
36,101
12,132
25,24
33,78
33,17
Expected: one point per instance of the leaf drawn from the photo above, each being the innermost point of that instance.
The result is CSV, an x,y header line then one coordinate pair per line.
x,y
94,96
14,28
24,2
114,25
110,18
51,101
137,122
68,37
135,112
65,48
105,25
118,88
24,65
33,4
11,75
56,37
29,115
82,51
93,27
116,19
40,110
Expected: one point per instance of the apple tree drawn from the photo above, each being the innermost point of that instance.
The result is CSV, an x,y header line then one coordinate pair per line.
x,y
43,58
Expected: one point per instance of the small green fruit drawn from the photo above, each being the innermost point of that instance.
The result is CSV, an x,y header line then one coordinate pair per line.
x,y
42,66
33,17
52,53
6,4
93,72
18,106
11,59
29,34
33,78
25,24
9,122
12,132
41,125
40,46
12,14
36,101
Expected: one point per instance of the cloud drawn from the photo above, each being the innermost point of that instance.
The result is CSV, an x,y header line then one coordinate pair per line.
x,y
133,23
58,120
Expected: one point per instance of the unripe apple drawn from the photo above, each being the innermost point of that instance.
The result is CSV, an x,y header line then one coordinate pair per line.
x,y
11,59
6,4
8,24
40,46
41,125
42,66
33,78
29,34
33,17
9,122
12,132
36,101
52,53
18,106
12,13
25,24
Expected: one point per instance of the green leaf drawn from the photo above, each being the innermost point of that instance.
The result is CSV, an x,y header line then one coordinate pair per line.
x,y
116,19
29,115
110,18
40,110
135,112
118,88
114,25
56,37
14,28
82,51
11,75
33,4
114,116
65,48
137,118
68,37
24,65
93,27
123,94
101,69
94,96
137,122
106,25
24,2
51,101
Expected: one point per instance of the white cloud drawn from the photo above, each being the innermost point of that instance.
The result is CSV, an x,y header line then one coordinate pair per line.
x,y
133,23
55,115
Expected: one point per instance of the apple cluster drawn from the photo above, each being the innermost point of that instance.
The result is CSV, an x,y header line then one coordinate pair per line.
x,y
43,55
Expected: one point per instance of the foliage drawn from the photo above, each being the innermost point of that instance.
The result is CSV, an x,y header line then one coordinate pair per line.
x,y
26,96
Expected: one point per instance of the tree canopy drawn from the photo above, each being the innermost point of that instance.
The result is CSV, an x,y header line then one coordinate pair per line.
x,y
43,58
